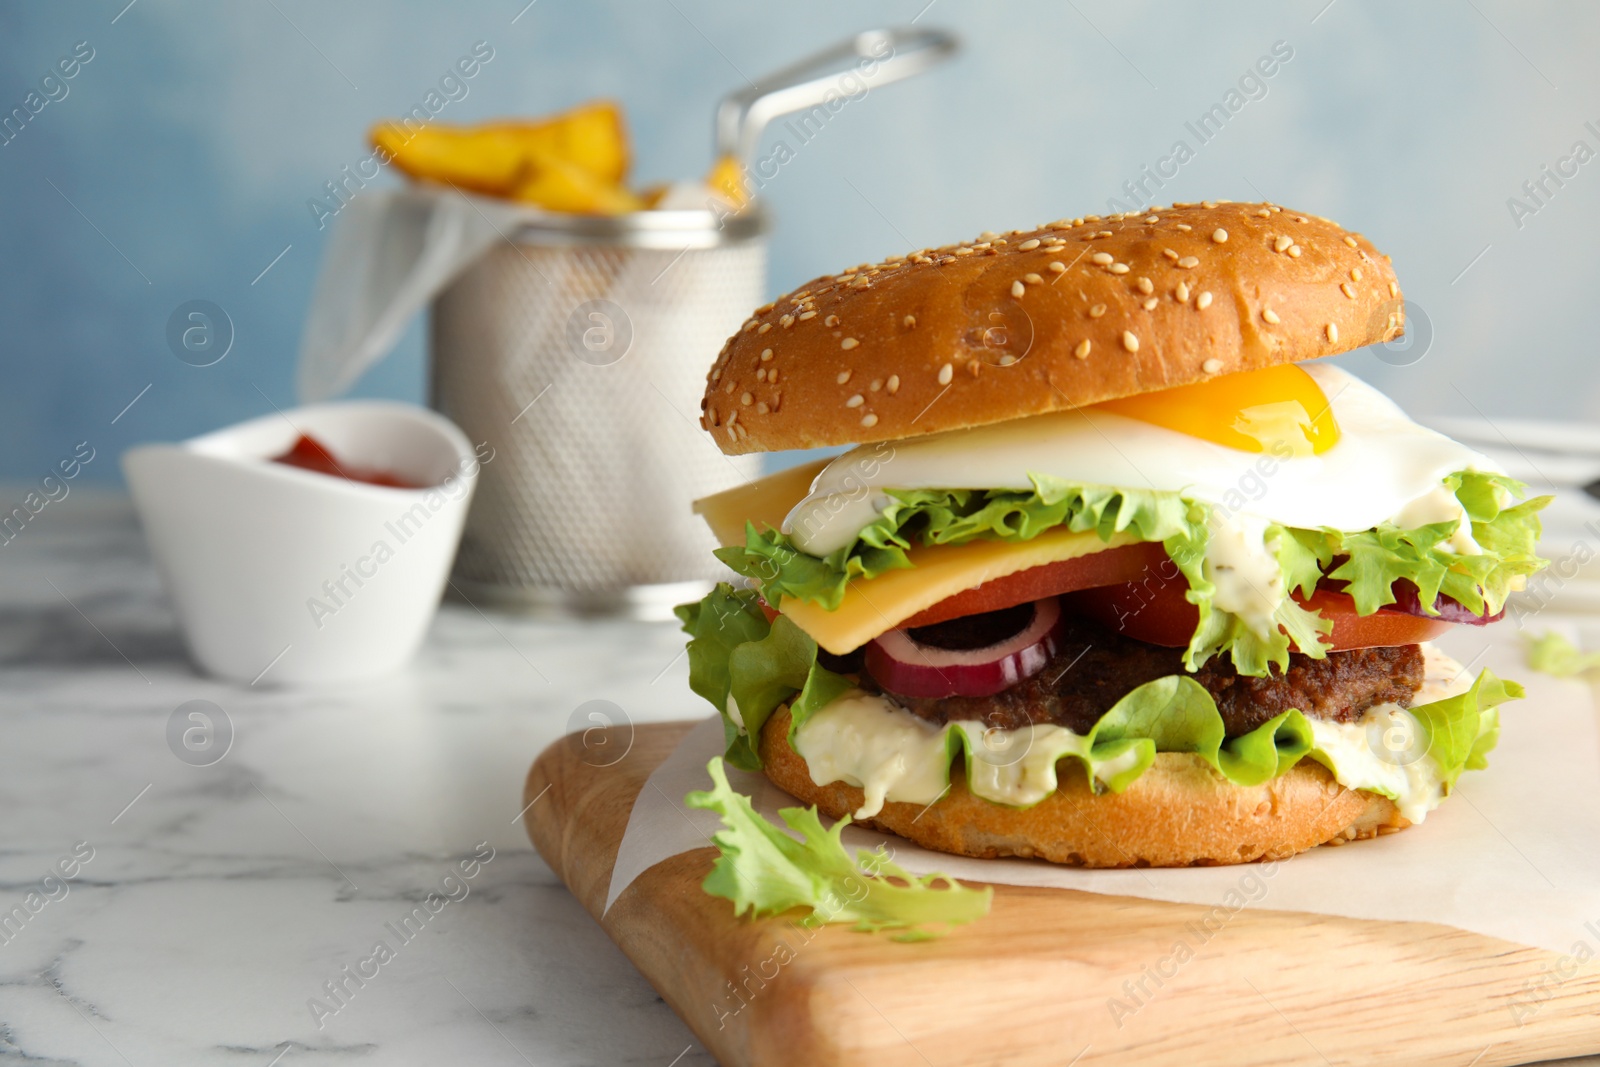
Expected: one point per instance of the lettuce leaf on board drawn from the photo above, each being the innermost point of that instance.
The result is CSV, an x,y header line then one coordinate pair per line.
x,y
1370,561
734,651
764,871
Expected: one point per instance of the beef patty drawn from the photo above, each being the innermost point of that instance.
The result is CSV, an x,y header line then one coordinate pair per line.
x,y
1094,667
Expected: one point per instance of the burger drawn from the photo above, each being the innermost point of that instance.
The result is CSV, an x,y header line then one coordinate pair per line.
x,y
1113,574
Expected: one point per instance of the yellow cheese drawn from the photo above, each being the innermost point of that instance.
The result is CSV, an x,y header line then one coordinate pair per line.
x,y
764,502
872,606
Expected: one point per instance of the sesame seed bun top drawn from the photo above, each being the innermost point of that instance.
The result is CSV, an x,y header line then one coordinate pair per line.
x,y
1075,312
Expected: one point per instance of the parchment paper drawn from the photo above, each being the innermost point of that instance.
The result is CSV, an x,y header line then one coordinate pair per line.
x,y
1513,853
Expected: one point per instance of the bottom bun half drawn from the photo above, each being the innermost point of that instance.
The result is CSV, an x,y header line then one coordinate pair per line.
x,y
1179,813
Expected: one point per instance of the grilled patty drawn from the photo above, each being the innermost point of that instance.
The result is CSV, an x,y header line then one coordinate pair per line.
x,y
1094,667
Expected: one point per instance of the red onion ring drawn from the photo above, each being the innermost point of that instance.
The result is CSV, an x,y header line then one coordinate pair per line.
x,y
903,665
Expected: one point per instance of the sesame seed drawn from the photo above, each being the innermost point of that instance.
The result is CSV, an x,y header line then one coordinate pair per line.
x,y
1208,203
1150,305
1033,279
1028,246
1170,254
877,383
804,315
1211,366
765,326
1394,290
1203,301
745,399
1355,274
716,374
728,388
1185,227
766,354
1118,268
909,321
1271,316
733,434
1219,235
869,420
733,418
963,251
1153,218
1351,241
786,321
1145,286
1006,360
1096,311
1294,250
1347,290
1333,333
1183,292
893,385
848,343
1264,213
1102,258
1103,233
1082,351
987,235
761,408
761,374
946,372
844,376
1129,341
1282,243
1189,262
1058,267
855,401
749,326
831,320
1017,289
772,375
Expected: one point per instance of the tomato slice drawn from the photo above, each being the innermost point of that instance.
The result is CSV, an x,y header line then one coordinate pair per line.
x,y
1113,566
1155,611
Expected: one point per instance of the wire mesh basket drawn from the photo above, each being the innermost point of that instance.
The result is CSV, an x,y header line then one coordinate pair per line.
x,y
577,350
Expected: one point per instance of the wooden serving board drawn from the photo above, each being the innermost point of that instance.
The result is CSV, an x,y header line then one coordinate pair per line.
x,y
1050,976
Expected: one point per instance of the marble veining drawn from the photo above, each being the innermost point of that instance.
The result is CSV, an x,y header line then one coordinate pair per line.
x,y
219,900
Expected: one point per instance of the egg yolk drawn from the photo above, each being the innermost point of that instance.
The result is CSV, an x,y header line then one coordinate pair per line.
x,y
1253,411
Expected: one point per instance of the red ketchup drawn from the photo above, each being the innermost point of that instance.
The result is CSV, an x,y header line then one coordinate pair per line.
x,y
310,454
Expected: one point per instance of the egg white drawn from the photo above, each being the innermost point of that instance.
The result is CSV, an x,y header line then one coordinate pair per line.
x,y
1385,467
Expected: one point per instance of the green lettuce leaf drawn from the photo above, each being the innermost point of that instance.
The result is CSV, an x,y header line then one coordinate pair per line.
x,y
736,655
1462,730
764,666
764,871
1553,654
1370,561
1373,560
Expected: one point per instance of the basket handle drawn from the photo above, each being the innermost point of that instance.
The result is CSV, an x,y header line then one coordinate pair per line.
x,y
879,57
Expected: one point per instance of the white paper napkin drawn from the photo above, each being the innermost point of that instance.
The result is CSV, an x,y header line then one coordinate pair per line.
x,y
1514,853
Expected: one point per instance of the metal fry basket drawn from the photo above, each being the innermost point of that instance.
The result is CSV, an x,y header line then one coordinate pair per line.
x,y
578,351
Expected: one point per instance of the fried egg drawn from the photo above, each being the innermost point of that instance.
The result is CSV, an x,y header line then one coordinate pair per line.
x,y
1297,446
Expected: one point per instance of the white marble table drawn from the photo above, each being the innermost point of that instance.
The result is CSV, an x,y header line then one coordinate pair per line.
x,y
220,899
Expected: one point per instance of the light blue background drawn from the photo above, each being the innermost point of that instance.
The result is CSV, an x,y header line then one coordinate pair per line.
x,y
181,161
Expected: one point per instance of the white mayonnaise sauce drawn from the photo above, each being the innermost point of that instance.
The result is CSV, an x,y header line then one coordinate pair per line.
x,y
892,755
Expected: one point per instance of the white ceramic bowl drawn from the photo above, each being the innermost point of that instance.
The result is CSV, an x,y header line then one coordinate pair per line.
x,y
287,576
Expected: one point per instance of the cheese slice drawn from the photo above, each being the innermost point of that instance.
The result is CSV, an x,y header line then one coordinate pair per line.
x,y
872,606
765,502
